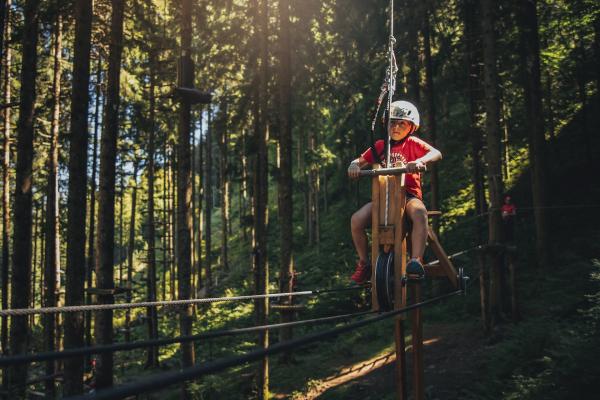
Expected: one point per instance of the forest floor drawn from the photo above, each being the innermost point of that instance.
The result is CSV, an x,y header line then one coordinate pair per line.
x,y
451,352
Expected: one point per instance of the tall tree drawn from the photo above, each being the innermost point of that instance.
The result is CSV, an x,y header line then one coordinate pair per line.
x,y
52,231
131,242
473,61
412,23
92,225
76,203
259,233
6,191
21,263
152,318
103,327
286,238
184,190
530,58
224,167
431,113
495,184
208,204
4,14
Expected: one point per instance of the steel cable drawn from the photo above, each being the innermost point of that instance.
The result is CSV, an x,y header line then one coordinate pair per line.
x,y
160,381
166,303
68,353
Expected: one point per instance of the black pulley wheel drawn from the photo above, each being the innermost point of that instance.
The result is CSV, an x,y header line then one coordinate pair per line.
x,y
384,278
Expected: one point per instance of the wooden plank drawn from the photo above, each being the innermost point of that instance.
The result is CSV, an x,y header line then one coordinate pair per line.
x,y
399,200
445,262
417,343
374,239
386,234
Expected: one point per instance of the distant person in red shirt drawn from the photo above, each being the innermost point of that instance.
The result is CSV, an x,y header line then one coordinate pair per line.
x,y
407,151
509,212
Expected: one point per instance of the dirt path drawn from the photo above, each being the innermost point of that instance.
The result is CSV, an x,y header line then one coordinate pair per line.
x,y
451,361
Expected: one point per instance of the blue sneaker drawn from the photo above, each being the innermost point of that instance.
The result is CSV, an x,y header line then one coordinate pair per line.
x,y
415,270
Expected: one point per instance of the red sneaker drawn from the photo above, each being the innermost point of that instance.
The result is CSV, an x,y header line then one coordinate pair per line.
x,y
362,272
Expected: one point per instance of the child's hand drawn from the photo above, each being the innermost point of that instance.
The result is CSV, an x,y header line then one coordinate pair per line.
x,y
353,170
415,166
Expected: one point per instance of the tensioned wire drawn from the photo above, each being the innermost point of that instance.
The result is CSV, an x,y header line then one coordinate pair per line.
x,y
68,353
169,303
162,380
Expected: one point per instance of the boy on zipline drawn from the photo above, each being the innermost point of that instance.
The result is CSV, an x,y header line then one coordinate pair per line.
x,y
407,151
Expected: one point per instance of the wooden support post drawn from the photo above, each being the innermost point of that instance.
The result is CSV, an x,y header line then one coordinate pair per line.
x,y
417,343
374,241
400,373
398,199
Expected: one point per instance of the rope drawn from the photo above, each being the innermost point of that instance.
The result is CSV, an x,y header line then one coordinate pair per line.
x,y
127,306
82,351
162,380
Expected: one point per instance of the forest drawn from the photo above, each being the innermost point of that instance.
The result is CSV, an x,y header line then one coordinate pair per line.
x,y
173,171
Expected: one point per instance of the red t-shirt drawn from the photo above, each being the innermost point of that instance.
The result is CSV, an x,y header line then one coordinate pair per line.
x,y
508,210
408,150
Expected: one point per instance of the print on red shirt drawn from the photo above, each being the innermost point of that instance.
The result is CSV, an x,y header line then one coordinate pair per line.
x,y
401,153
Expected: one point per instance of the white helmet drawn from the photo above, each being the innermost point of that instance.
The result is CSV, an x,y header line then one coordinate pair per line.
x,y
405,110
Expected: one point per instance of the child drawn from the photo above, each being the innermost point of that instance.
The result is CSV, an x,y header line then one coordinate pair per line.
x,y
509,213
407,151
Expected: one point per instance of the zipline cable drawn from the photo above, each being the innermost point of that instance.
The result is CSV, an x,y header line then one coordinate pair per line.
x,y
451,256
68,353
162,380
391,82
169,303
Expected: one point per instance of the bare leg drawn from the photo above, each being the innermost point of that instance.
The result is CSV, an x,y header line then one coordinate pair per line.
x,y
418,215
361,219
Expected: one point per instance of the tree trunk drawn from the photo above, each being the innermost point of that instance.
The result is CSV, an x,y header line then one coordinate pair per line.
x,y
224,167
530,57
92,225
495,184
152,318
286,238
121,194
169,219
431,123
473,63
259,237
200,192
4,22
6,196
208,195
165,236
103,327
184,192
36,235
21,284
131,245
194,234
412,24
76,203
52,264
244,188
